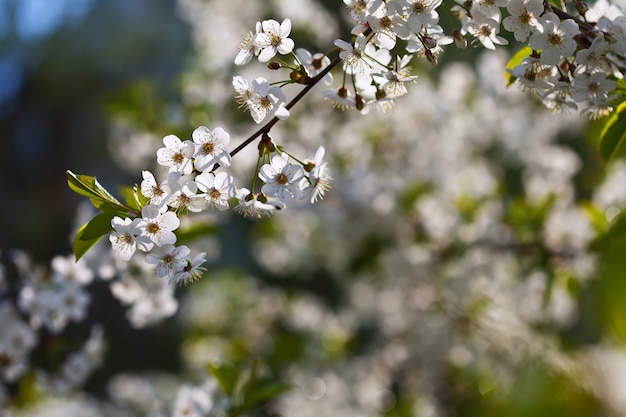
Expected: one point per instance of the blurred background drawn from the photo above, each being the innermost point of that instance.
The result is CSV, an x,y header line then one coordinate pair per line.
x,y
63,65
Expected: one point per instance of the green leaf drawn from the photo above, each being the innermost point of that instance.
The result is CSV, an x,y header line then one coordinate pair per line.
x,y
133,198
90,187
596,216
90,233
263,391
620,86
514,62
614,132
615,235
227,376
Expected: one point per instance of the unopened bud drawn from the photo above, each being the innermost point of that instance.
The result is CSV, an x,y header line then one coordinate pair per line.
x,y
273,65
459,39
380,94
317,63
581,7
360,103
295,76
266,145
342,92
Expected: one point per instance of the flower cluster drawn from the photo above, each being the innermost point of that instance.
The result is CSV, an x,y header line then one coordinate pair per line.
x,y
494,273
47,301
570,59
574,59
192,185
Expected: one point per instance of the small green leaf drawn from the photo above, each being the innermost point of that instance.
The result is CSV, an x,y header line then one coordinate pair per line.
x,y
514,62
263,391
109,207
620,86
133,198
596,216
227,376
90,187
614,236
613,133
90,233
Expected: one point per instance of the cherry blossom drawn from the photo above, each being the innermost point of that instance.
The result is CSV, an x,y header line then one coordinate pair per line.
x,y
273,39
555,40
176,155
210,147
280,178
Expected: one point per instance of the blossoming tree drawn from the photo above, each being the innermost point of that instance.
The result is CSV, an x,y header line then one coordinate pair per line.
x,y
452,266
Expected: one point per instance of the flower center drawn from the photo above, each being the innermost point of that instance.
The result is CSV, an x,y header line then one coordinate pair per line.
x,y
282,179
153,228
214,193
183,200
275,39
178,158
485,31
208,148
544,72
525,18
360,6
157,190
555,39
266,103
419,7
127,239
386,22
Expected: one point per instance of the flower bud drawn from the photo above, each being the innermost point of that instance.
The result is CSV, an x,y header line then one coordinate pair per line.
x,y
317,63
342,92
295,76
459,39
266,145
581,7
360,103
273,65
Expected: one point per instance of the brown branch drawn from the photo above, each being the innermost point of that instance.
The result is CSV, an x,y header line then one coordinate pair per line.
x,y
268,126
